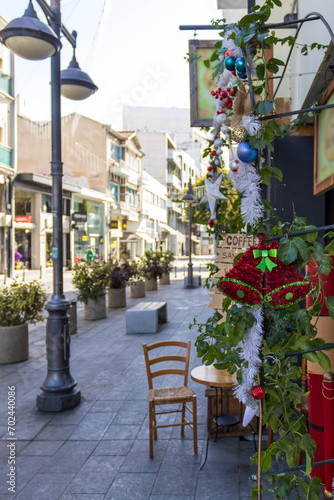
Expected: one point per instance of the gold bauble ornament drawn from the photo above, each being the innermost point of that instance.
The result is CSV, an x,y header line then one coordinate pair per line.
x,y
329,377
328,495
239,134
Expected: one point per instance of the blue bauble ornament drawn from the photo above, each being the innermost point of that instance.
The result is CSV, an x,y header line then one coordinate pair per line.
x,y
243,76
208,206
246,153
230,63
240,65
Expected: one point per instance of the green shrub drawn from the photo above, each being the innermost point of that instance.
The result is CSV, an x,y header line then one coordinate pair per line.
x,y
91,279
21,303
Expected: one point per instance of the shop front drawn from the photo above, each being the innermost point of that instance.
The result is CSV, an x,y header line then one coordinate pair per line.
x,y
88,225
24,228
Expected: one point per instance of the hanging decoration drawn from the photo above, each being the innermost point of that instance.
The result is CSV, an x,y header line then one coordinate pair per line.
x,y
213,194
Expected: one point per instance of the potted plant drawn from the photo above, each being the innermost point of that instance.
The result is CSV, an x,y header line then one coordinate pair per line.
x,y
20,304
151,269
137,283
91,279
119,276
166,262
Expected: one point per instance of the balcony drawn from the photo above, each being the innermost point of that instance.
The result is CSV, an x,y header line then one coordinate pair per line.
x,y
174,206
174,157
5,155
174,181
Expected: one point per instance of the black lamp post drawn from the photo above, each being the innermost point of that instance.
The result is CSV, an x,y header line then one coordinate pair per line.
x,y
190,199
31,39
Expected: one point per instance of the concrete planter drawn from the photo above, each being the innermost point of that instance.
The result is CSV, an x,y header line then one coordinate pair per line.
x,y
164,280
137,289
116,298
72,312
151,284
96,309
14,344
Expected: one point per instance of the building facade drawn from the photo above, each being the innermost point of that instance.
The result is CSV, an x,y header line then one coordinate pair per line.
x,y
7,157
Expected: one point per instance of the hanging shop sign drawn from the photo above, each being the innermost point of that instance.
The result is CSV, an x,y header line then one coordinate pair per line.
x,y
23,218
79,217
202,106
324,145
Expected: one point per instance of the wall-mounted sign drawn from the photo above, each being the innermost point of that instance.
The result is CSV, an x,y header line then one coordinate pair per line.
x,y
79,217
23,218
202,105
84,237
114,224
324,145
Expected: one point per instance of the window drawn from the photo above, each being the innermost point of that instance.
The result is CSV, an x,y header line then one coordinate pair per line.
x,y
138,200
46,203
112,150
119,153
132,196
114,191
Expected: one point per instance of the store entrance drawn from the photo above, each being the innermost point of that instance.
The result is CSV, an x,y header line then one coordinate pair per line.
x,y
22,248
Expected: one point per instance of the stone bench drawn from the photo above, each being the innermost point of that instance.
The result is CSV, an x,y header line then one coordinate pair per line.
x,y
145,317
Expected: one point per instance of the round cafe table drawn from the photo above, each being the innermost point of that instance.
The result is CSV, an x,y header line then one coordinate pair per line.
x,y
220,379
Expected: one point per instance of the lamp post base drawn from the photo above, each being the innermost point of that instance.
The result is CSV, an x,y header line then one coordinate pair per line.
x,y
194,283
58,402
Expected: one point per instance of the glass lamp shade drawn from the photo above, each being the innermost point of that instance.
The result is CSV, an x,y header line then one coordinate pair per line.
x,y
75,83
29,38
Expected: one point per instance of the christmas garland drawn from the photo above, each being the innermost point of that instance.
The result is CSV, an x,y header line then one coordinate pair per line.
x,y
264,321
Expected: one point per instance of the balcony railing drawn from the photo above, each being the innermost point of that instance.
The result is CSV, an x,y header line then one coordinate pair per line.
x,y
5,155
4,83
174,181
172,155
174,206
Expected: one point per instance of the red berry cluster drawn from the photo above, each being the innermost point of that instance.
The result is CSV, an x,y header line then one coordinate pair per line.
x,y
210,223
228,95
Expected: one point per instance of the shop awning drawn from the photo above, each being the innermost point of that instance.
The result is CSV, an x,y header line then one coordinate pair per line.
x,y
167,228
129,238
145,237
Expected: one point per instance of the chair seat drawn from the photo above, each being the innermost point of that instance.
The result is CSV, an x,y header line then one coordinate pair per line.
x,y
166,395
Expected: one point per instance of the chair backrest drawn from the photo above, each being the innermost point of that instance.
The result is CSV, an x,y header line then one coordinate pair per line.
x,y
160,359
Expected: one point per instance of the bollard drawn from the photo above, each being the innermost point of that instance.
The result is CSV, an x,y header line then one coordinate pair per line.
x,y
175,272
40,272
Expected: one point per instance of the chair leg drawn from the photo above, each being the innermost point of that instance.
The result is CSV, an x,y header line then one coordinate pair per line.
x,y
195,423
183,418
155,423
151,424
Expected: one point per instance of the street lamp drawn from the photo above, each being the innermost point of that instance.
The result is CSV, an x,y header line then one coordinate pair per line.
x,y
31,39
190,199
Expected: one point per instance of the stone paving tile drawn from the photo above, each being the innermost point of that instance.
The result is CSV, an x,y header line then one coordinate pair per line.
x,y
56,432
80,496
93,426
96,475
70,457
122,432
47,448
127,486
113,447
44,486
26,467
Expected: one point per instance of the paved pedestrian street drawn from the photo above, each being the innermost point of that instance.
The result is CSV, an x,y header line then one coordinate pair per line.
x,y
100,450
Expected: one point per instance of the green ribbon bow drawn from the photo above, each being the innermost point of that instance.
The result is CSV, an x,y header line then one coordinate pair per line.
x,y
265,262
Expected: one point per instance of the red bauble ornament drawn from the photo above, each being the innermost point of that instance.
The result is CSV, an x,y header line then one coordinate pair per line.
x,y
234,72
224,94
258,392
213,153
232,92
209,169
228,89
228,53
210,223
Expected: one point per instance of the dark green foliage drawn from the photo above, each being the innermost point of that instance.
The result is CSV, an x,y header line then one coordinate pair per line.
x,y
91,279
21,303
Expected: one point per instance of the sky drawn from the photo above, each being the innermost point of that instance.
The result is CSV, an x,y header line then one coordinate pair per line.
x,y
133,51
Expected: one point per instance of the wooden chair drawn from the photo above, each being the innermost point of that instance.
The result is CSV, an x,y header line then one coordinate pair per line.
x,y
170,395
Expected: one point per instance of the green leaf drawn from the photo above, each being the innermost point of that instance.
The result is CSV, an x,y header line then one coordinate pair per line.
x,y
206,63
287,251
278,3
330,305
264,107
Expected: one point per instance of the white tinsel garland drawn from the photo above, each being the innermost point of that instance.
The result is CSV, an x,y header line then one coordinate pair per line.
x,y
250,350
247,181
